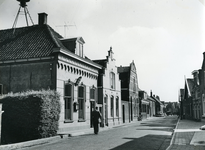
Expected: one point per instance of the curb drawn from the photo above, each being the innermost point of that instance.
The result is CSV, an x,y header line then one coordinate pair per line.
x,y
61,136
29,143
173,136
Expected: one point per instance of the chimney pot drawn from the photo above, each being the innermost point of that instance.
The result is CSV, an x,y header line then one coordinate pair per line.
x,y
42,18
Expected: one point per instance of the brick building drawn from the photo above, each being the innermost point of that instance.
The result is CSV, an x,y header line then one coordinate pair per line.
x,y
129,92
36,57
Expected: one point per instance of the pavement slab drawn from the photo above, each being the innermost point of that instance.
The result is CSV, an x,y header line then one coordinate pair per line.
x,y
198,138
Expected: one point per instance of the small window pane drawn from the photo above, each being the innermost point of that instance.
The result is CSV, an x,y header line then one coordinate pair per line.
x,y
68,90
92,93
80,91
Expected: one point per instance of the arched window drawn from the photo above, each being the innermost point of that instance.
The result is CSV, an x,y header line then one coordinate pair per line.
x,y
112,80
68,98
81,102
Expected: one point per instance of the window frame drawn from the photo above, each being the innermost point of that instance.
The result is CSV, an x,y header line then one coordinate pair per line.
x,y
112,80
81,104
117,106
112,106
70,99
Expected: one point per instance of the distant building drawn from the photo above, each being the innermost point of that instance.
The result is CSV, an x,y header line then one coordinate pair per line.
x,y
146,105
188,100
196,95
202,85
129,92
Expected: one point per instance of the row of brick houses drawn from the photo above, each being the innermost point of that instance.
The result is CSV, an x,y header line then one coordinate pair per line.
x,y
36,57
192,96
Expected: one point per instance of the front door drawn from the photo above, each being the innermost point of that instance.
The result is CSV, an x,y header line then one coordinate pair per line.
x,y
123,113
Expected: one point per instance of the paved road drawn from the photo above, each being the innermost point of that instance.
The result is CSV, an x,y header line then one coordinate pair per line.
x,y
153,134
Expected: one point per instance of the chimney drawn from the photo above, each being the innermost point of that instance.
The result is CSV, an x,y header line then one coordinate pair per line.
x,y
151,93
42,18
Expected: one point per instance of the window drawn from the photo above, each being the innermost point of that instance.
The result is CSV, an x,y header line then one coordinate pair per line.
x,y
112,106
112,80
68,98
134,85
81,102
92,93
80,50
117,107
1,89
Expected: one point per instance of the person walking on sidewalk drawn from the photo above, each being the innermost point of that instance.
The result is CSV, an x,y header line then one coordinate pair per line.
x,y
95,117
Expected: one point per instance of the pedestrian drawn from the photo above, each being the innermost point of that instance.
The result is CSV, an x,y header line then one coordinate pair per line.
x,y
95,117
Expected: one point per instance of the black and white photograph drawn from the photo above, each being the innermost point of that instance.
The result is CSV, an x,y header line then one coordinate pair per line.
x,y
102,74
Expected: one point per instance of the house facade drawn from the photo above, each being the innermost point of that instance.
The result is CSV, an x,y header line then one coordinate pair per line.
x,y
202,86
196,95
188,99
37,57
129,92
109,91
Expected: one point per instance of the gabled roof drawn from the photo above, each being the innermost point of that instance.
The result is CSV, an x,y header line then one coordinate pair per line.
x,y
150,98
189,83
157,100
28,42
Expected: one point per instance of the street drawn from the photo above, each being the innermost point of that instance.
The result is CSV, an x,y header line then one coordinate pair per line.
x,y
152,134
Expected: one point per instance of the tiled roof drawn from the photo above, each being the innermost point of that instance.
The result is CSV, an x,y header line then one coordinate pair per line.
x,y
28,42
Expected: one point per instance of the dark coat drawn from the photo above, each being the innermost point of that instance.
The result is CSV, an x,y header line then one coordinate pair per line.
x,y
95,116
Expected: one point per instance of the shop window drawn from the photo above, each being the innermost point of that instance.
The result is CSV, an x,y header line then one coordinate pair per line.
x,y
81,103
68,98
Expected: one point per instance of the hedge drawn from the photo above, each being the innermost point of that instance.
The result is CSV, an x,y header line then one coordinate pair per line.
x,y
29,115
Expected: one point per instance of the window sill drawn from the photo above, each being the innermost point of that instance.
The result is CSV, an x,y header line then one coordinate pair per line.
x,y
81,120
68,121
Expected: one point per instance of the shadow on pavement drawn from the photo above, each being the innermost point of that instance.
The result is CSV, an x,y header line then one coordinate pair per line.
x,y
148,142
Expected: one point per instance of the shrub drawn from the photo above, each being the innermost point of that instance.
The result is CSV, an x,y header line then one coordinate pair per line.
x,y
29,115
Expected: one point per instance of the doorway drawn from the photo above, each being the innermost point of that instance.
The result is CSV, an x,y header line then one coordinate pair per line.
x,y
123,113
92,107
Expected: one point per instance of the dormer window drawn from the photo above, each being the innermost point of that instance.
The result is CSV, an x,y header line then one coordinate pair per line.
x,y
74,45
80,50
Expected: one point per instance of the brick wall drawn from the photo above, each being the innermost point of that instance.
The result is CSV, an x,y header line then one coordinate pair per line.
x,y
27,76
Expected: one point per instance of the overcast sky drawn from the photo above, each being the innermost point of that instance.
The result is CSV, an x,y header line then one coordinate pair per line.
x,y
165,38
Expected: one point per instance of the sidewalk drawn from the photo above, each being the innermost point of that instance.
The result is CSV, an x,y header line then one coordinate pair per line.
x,y
188,136
67,135
63,135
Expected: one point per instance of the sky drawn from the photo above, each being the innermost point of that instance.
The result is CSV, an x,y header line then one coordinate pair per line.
x,y
164,38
